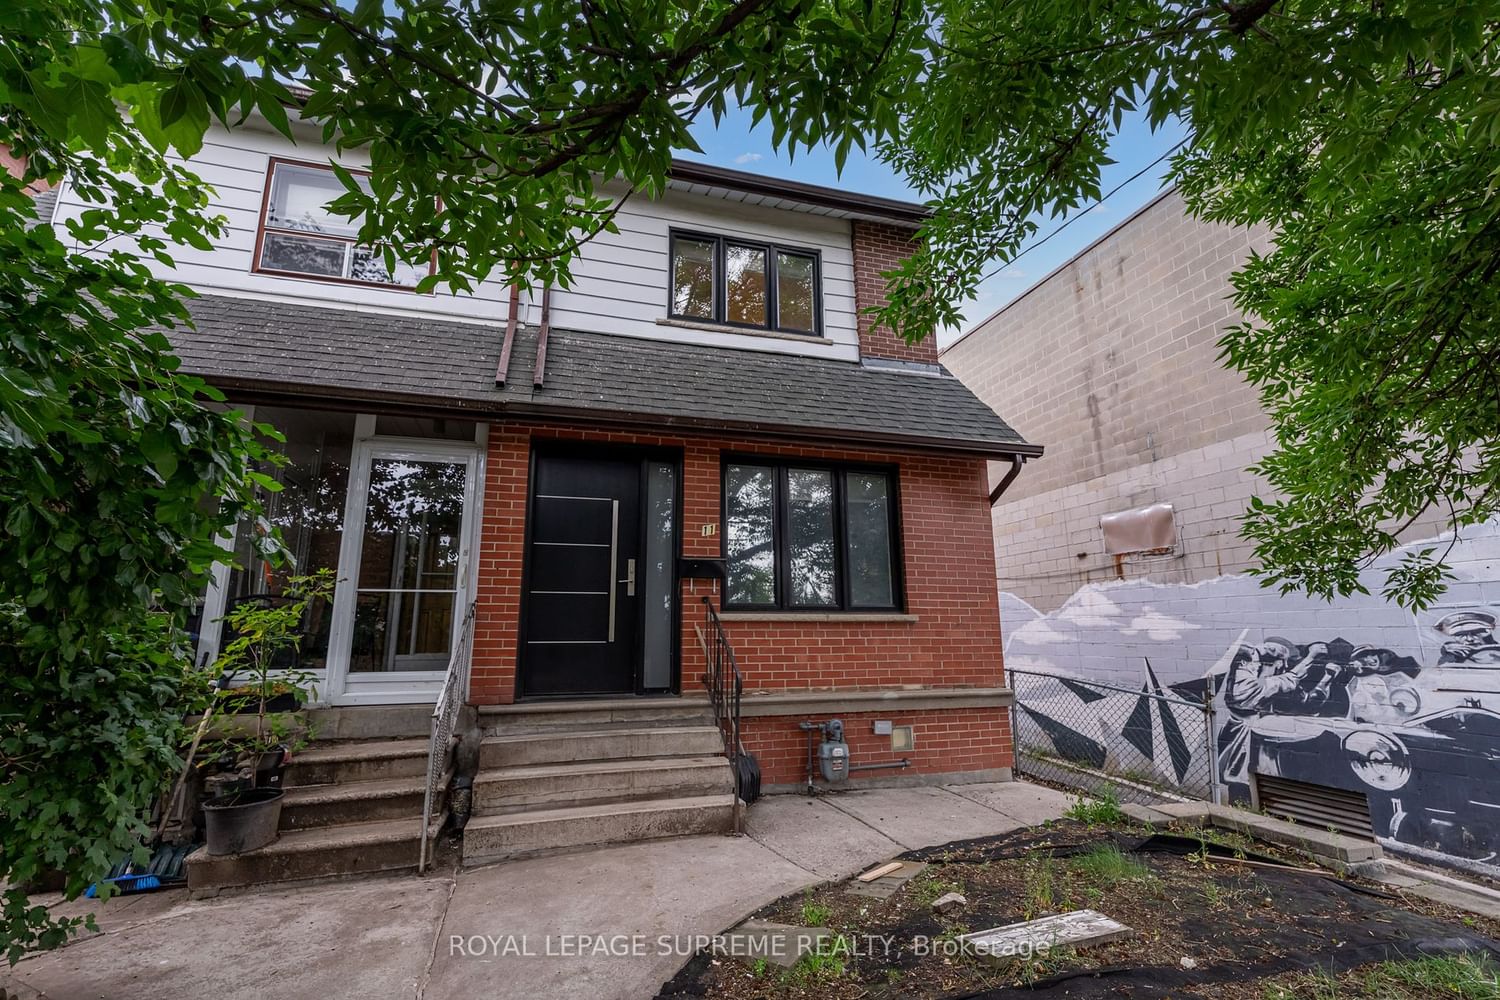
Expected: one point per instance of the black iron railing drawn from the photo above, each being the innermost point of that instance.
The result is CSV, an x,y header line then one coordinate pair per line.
x,y
724,682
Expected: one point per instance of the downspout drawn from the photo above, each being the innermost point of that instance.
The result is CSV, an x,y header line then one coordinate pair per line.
x,y
502,371
1016,461
540,374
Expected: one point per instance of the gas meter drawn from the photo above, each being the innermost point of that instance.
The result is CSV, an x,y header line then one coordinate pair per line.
x,y
833,752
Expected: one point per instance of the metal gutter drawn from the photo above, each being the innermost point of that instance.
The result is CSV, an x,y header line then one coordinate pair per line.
x,y
903,212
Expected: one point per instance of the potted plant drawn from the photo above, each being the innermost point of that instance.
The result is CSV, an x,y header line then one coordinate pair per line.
x,y
258,674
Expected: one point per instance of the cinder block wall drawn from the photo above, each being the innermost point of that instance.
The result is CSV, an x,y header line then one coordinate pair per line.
x,y
1112,364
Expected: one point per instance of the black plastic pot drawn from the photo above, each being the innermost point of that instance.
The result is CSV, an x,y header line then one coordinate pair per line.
x,y
241,821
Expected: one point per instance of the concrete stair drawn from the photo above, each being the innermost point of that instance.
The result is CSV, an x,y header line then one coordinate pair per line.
x,y
532,717
350,806
572,774
307,806
343,849
600,782
491,838
600,743
361,760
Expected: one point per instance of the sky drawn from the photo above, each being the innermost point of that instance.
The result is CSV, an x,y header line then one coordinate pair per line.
x,y
732,143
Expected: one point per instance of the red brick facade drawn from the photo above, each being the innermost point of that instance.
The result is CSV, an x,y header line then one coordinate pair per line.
x,y
879,247
953,641
947,741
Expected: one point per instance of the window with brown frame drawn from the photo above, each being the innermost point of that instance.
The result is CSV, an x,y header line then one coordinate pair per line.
x,y
299,236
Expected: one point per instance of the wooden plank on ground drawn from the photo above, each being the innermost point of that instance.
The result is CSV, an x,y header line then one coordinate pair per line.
x,y
880,872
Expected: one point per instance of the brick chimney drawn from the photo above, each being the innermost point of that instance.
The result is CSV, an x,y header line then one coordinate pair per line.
x,y
880,246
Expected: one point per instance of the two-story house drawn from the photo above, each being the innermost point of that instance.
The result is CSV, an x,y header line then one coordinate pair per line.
x,y
562,484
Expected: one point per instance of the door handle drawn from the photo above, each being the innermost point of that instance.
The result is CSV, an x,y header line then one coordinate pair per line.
x,y
614,552
629,580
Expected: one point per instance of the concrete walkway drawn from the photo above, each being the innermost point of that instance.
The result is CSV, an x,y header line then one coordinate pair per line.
x,y
610,922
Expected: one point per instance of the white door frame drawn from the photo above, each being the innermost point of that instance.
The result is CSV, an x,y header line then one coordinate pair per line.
x,y
342,686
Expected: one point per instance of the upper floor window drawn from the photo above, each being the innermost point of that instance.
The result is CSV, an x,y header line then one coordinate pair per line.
x,y
300,236
760,285
809,537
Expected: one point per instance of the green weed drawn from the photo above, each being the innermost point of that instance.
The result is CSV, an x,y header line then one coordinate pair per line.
x,y
1454,977
1102,809
815,914
1106,863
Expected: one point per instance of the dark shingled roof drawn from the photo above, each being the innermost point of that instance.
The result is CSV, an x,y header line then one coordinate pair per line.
x,y
281,348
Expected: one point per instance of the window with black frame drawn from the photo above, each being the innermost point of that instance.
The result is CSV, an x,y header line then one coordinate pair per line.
x,y
808,537
719,279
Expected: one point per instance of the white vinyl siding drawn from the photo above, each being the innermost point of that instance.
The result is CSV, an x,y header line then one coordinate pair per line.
x,y
620,280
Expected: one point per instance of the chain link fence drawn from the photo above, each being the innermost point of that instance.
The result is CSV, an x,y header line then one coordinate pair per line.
x,y
1145,746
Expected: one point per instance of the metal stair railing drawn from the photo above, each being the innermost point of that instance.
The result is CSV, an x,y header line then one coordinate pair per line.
x,y
444,716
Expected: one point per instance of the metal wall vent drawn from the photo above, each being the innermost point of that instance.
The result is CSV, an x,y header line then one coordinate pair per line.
x,y
1317,806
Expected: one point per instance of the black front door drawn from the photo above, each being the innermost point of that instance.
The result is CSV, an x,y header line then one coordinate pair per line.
x,y
581,614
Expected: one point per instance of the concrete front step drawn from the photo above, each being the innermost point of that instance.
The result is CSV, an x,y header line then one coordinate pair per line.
x,y
607,744
307,806
534,716
493,838
545,786
370,722
386,845
326,764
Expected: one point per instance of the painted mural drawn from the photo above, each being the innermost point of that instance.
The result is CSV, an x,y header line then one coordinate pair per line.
x,y
1358,695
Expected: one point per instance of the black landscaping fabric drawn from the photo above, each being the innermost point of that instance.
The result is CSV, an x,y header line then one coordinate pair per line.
x,y
1313,921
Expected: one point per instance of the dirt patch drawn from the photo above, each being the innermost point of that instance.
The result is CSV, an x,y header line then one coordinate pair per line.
x,y
1211,916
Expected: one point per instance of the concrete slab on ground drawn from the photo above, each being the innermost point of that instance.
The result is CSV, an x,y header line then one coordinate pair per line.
x,y
369,938
923,817
1471,902
648,899
1310,840
1026,804
391,936
1075,929
885,887
814,835
781,944
1145,814
1187,812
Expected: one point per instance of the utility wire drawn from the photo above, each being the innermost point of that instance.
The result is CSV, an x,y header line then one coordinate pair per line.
x,y
1074,218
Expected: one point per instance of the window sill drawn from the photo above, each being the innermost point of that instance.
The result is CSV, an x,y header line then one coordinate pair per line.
x,y
842,617
748,331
